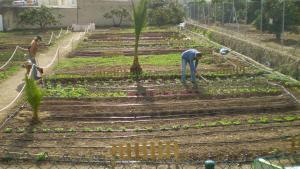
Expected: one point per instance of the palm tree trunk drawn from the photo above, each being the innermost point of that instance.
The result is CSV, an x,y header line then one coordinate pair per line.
x,y
136,67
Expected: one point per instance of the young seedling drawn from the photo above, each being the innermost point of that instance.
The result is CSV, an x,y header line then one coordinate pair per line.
x,y
86,129
186,126
71,130
236,122
251,121
42,156
8,130
34,130
264,120
199,125
123,129
45,130
20,130
212,124
149,129
109,129
225,122
277,119
290,118
176,127
163,128
59,130
99,129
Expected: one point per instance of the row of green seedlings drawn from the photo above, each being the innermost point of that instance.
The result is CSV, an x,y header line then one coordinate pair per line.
x,y
159,43
153,75
42,156
243,81
83,91
224,122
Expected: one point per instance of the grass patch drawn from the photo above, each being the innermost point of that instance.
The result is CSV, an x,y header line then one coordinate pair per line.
x,y
157,60
9,71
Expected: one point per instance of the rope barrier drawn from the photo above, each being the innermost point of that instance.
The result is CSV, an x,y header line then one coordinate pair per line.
x,y
50,38
16,98
59,34
7,62
24,49
45,67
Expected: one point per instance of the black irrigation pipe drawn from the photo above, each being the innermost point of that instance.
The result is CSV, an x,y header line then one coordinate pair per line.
x,y
132,119
152,135
222,143
11,115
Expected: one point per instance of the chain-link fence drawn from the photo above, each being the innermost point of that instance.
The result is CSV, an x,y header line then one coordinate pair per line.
x,y
270,22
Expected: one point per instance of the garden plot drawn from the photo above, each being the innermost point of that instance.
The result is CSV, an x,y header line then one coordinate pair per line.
x,y
93,103
109,44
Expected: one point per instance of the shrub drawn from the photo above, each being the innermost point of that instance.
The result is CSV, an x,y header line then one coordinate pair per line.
x,y
163,12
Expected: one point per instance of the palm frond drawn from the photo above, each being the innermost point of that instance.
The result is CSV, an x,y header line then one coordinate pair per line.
x,y
33,96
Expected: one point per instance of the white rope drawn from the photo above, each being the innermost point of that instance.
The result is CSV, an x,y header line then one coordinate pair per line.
x,y
23,48
247,59
285,90
16,98
50,38
52,61
11,57
67,31
59,34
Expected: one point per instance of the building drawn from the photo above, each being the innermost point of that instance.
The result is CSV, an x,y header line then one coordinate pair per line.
x,y
59,3
73,11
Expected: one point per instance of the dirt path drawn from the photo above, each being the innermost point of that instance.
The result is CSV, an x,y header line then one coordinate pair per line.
x,y
10,88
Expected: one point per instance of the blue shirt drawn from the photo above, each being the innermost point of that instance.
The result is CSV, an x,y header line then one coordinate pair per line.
x,y
190,55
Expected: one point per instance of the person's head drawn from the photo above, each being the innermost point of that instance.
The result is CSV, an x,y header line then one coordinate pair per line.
x,y
199,55
38,38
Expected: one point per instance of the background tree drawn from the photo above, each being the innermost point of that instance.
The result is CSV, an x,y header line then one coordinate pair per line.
x,y
34,97
272,17
139,18
163,12
43,17
117,16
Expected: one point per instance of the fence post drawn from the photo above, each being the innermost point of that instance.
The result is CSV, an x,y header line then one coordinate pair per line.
x,y
176,151
128,151
168,152
209,164
137,151
121,148
145,154
152,150
160,151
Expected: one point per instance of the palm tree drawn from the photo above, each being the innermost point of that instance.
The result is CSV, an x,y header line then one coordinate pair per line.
x,y
139,17
34,97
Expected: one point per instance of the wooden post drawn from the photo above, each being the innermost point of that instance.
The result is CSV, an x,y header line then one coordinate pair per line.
x,y
113,151
145,154
176,151
128,151
160,150
168,152
121,149
137,151
152,150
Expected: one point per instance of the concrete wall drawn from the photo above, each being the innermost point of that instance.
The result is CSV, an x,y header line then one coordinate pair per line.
x,y
93,11
88,11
